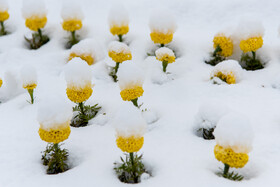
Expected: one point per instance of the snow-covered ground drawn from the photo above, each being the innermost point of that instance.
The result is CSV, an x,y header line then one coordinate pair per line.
x,y
172,151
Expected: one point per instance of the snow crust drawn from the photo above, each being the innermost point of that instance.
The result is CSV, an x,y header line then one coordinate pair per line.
x,y
129,75
77,73
162,21
228,66
129,121
72,10
33,8
4,6
234,131
118,47
53,112
118,16
28,75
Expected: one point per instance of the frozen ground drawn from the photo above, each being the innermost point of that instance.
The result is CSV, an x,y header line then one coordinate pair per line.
x,y
172,151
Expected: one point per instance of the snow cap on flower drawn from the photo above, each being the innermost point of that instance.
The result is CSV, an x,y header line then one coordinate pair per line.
x,y
34,8
88,47
166,54
77,73
130,75
248,29
4,6
234,131
118,16
54,112
209,113
162,21
71,10
28,75
228,67
118,47
129,122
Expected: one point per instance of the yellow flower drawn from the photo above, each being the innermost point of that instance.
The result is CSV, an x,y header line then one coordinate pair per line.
x,y
132,93
251,44
119,30
228,78
88,58
79,95
225,44
161,38
120,57
130,144
34,23
30,86
4,16
166,57
72,25
229,157
55,135
1,82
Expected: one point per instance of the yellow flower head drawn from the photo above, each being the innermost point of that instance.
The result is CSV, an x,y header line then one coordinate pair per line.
x,y
228,156
29,86
86,57
56,135
119,52
4,16
165,54
1,82
225,43
132,93
161,38
78,94
35,22
72,25
130,144
226,77
251,44
119,30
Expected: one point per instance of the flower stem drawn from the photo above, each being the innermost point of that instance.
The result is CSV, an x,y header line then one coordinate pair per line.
x,y
81,106
164,65
3,32
161,45
135,103
254,55
30,91
133,167
120,38
40,35
116,70
226,169
74,39
218,49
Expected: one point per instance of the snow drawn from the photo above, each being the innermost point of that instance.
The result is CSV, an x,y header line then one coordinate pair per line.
x,y
118,16
4,6
72,10
77,73
227,67
234,131
33,8
209,113
129,122
172,152
161,52
162,21
54,111
249,28
118,47
90,47
129,75
28,75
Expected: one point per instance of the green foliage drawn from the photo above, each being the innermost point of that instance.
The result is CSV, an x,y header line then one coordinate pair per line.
x,y
230,175
130,169
85,113
251,62
207,134
3,30
72,40
37,40
55,158
216,58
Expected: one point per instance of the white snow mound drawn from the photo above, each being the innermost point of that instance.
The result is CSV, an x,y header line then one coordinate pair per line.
x,y
162,21
248,29
72,10
33,8
4,6
118,16
129,121
163,51
28,75
234,131
118,47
